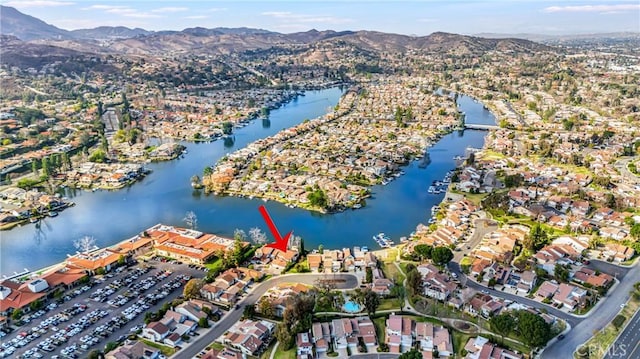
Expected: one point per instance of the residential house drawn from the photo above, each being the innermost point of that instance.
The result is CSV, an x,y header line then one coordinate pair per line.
x,y
137,350
546,290
399,333
527,281
304,346
588,276
224,353
155,331
480,348
321,336
571,297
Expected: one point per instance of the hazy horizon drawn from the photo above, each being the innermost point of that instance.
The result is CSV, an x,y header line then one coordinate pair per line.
x,y
402,17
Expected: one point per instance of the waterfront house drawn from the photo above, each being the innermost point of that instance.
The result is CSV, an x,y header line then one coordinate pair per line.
x,y
90,262
188,245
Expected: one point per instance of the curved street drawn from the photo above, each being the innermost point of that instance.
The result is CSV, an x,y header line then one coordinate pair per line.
x,y
350,281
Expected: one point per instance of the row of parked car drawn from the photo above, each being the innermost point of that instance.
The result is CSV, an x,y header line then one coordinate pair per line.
x,y
23,338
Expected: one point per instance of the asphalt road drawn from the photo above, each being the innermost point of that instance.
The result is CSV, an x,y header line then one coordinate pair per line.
x,y
627,345
229,319
582,331
582,327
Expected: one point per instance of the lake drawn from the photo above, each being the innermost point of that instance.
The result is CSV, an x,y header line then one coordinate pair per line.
x,y
165,196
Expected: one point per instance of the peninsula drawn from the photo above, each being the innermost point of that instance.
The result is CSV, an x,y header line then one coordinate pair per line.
x,y
330,163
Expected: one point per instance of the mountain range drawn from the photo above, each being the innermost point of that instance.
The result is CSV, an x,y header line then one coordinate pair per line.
x,y
25,36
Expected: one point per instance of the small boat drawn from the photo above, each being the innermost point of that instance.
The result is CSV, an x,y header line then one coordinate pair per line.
x,y
52,213
357,206
33,220
432,189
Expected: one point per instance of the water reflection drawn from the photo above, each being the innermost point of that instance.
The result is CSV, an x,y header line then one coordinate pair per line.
x,y
266,123
229,141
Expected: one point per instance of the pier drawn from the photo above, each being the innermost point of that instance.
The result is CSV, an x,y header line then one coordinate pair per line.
x,y
473,126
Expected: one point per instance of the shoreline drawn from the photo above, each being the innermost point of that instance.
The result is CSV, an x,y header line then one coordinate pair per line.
x,y
289,196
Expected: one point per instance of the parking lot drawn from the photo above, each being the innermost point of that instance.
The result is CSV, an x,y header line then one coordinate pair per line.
x,y
106,310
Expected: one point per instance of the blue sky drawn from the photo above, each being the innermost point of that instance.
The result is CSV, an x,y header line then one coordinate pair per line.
x,y
404,17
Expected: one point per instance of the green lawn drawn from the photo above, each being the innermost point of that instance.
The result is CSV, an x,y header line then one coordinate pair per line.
x,y
391,271
166,350
459,341
216,346
389,303
380,323
216,265
281,354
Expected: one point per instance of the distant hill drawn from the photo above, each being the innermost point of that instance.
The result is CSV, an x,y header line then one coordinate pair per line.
x,y
16,52
563,38
39,37
437,42
109,32
26,27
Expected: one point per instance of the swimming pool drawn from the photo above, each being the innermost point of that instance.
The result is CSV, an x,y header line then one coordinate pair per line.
x,y
351,307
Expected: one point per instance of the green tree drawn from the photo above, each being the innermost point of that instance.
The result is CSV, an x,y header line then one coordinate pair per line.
x,y
371,301
94,354
284,336
423,250
537,238
412,354
502,324
414,280
192,288
110,346
441,255
265,308
17,314
98,156
204,322
635,231
368,275
532,329
561,273
208,171
227,128
318,198
122,260
46,168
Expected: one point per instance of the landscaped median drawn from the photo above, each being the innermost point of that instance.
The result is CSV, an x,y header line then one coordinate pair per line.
x,y
602,340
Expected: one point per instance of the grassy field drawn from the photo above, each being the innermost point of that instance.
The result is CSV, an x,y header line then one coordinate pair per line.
x,y
389,303
391,271
215,265
165,350
281,354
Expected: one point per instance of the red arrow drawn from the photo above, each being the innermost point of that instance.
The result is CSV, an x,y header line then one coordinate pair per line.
x,y
280,243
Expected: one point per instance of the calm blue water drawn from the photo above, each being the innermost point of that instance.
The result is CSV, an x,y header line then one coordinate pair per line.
x,y
351,307
166,195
